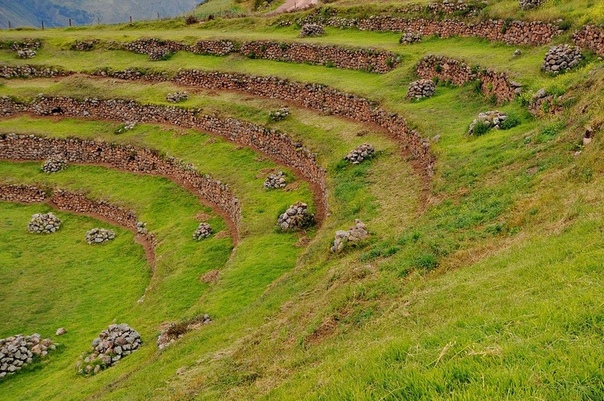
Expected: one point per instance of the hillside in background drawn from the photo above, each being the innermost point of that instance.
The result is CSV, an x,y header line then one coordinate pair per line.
x,y
56,13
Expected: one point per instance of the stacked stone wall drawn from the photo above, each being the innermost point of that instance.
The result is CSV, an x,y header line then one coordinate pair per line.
x,y
590,37
457,72
31,71
22,193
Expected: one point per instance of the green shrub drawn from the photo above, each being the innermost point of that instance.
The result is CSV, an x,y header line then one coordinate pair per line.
x,y
510,122
426,262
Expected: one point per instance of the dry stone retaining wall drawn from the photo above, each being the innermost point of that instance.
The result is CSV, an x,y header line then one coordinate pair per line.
x,y
458,73
590,37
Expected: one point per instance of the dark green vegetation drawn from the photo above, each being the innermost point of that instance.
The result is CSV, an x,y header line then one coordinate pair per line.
x,y
487,285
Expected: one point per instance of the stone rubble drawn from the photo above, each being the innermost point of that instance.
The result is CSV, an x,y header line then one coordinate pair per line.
x,y
279,114
44,223
276,181
84,45
203,231
18,351
296,217
141,228
493,119
561,58
54,165
528,4
421,88
113,344
410,37
176,97
312,30
26,53
542,103
353,235
174,331
360,154
99,235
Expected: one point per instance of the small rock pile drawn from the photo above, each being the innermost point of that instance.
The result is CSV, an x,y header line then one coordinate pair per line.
x,y
26,53
421,88
275,181
358,155
279,114
487,119
84,45
54,165
561,58
296,217
99,235
174,331
19,351
355,234
203,231
43,223
176,97
528,4
312,30
141,227
543,103
113,344
410,37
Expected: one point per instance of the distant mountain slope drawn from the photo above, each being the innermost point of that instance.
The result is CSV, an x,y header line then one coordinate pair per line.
x,y
83,12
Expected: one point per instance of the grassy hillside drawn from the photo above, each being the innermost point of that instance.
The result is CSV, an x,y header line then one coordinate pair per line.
x,y
482,282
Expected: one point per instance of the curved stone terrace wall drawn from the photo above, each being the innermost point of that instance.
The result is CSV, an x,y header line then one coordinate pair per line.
x,y
371,60
127,158
457,72
274,144
590,37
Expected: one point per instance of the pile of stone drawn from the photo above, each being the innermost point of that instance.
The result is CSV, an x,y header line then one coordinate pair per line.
x,y
141,227
312,30
355,234
528,4
279,114
561,58
43,223
174,331
176,97
360,154
296,217
543,103
26,53
203,231
275,181
54,165
421,88
99,235
490,119
113,344
19,351
84,45
409,38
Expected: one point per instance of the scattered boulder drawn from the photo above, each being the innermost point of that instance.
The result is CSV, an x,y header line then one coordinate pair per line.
x,y
275,181
360,154
355,234
561,58
99,235
279,114
528,4
174,331
486,121
177,97
54,165
296,217
421,89
203,231
43,223
113,344
61,331
410,37
312,30
18,351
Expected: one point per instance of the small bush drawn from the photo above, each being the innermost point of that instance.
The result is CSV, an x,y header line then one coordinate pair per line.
x,y
481,128
510,122
191,19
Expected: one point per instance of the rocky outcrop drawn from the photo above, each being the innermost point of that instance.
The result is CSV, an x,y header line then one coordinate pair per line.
x,y
421,89
113,344
457,72
203,231
561,59
18,351
355,234
99,236
44,223
590,37
296,217
360,154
